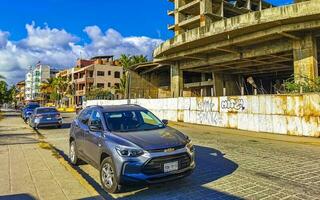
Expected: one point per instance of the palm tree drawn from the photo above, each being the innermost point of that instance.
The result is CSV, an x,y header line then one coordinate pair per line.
x,y
47,88
125,61
121,87
139,59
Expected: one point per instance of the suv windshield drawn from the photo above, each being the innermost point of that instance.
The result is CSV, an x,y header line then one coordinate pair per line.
x,y
125,121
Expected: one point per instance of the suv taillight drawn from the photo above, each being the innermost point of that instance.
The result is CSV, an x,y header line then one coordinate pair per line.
x,y
39,116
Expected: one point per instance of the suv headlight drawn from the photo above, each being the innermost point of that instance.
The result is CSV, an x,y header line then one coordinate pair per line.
x,y
190,146
129,152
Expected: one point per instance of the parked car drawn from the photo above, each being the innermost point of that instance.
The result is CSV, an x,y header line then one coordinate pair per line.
x,y
45,117
27,111
129,144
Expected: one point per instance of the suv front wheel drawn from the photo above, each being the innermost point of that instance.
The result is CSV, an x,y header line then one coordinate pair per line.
x,y
108,176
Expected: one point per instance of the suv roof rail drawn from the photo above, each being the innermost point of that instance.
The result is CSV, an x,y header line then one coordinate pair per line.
x,y
95,106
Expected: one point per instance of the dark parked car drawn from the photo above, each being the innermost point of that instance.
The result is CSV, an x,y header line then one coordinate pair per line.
x,y
129,144
45,117
27,111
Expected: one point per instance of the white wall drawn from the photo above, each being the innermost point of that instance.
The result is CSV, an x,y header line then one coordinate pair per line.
x,y
283,114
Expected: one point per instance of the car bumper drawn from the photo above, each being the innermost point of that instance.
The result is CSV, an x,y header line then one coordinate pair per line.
x,y
46,123
133,172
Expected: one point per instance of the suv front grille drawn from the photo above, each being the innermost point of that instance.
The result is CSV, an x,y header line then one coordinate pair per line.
x,y
163,150
155,165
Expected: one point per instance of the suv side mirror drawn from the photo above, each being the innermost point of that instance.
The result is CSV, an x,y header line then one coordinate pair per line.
x,y
95,128
165,121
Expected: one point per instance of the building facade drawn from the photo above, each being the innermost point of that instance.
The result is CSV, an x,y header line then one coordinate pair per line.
x,y
20,86
33,79
235,47
100,72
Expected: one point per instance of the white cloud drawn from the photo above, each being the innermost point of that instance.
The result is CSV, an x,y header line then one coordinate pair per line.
x,y
60,49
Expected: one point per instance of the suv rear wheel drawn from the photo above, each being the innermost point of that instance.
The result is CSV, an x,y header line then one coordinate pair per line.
x,y
108,176
73,153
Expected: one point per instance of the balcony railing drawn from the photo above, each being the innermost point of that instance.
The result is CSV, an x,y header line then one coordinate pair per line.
x,y
80,92
84,79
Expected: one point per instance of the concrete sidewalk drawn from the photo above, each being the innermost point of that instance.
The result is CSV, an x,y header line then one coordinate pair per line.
x,y
30,170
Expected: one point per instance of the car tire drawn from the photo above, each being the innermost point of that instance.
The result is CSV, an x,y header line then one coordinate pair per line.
x,y
73,153
109,184
59,126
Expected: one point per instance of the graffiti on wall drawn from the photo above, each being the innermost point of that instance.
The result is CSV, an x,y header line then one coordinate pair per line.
x,y
229,104
207,104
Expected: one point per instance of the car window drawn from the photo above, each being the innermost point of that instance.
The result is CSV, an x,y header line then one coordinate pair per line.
x,y
125,121
46,110
148,118
95,119
85,115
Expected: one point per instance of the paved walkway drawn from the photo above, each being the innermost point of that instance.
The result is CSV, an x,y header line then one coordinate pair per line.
x,y
31,170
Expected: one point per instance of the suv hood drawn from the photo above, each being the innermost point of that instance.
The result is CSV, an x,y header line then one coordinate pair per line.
x,y
155,139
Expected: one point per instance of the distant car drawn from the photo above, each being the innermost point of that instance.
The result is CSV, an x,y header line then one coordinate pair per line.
x,y
45,117
129,144
27,111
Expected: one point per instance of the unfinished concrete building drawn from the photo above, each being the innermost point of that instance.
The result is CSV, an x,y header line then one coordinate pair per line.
x,y
232,47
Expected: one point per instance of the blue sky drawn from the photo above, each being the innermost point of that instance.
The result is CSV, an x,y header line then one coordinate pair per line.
x,y
57,32
129,17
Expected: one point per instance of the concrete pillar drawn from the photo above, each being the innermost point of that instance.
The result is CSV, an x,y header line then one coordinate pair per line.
x,y
178,17
305,58
205,7
176,80
248,4
217,84
204,89
260,5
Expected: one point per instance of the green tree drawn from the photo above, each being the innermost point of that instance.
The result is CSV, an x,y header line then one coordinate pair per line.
x,y
98,93
3,91
121,87
127,61
47,88
139,59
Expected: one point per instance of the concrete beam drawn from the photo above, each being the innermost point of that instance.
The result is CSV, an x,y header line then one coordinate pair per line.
x,y
266,49
289,35
243,39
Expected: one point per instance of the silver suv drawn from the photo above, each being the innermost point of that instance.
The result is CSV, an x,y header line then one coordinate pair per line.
x,y
129,144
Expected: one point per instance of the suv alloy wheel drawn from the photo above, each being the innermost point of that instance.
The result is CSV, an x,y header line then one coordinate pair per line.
x,y
108,178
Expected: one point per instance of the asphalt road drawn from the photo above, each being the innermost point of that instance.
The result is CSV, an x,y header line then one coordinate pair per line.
x,y
230,165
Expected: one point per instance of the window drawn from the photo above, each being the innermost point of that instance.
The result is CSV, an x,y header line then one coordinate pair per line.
x,y
100,73
95,119
126,121
109,73
84,116
117,85
109,84
117,74
100,85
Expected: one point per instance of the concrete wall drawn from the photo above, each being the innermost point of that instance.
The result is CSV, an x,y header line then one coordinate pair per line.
x,y
283,114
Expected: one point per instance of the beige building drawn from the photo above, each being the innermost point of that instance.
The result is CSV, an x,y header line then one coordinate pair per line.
x,y
232,48
99,72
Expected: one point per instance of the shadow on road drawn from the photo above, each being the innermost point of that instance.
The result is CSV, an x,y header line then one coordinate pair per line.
x,y
211,166
17,197
64,126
